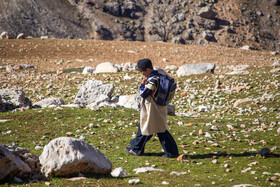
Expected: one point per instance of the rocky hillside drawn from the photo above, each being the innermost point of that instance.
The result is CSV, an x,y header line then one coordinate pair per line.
x,y
227,23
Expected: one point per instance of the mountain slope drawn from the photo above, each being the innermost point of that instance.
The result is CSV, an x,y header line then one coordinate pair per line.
x,y
237,23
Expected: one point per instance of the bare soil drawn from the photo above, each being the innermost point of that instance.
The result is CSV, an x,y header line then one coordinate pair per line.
x,y
56,54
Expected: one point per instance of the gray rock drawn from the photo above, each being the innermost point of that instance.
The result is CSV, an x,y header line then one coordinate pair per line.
x,y
21,36
171,67
11,165
241,101
245,47
276,63
207,13
106,67
67,156
190,69
130,101
118,172
113,8
48,102
146,169
92,90
71,106
4,35
275,70
134,181
9,69
238,73
88,70
208,35
178,40
14,98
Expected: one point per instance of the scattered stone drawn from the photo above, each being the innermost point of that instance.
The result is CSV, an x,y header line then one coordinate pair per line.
x,y
4,35
246,169
171,67
69,134
207,13
190,69
201,132
21,36
76,178
118,172
175,173
49,102
165,183
88,70
214,128
67,156
106,67
276,63
215,161
241,101
246,47
238,73
9,69
38,147
134,181
276,70
146,169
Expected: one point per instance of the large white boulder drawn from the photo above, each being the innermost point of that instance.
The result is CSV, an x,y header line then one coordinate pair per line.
x,y
106,67
190,69
93,91
66,156
48,102
11,165
130,101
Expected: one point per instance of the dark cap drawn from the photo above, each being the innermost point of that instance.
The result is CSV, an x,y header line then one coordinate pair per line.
x,y
144,64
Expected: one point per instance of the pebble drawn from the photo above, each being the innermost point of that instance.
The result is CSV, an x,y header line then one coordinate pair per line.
x,y
38,147
215,161
134,181
165,182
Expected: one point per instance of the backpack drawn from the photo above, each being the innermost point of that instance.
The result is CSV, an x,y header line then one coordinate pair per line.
x,y
165,91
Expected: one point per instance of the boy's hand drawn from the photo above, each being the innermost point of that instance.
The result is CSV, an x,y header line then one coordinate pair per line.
x,y
144,80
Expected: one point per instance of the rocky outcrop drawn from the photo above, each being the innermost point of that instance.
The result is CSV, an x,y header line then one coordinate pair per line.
x,y
233,23
68,156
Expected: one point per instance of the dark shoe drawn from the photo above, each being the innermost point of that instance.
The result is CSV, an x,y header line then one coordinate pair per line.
x,y
130,151
169,156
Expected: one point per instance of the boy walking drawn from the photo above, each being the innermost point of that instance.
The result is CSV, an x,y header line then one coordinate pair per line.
x,y
153,117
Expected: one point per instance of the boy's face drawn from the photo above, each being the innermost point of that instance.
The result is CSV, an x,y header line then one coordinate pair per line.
x,y
146,72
